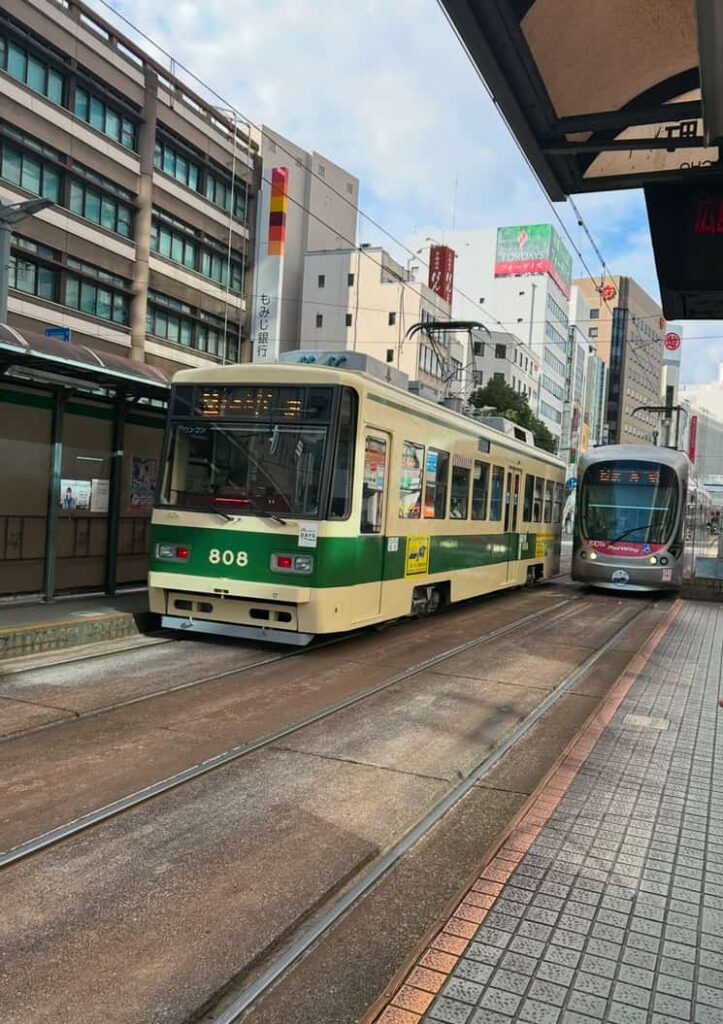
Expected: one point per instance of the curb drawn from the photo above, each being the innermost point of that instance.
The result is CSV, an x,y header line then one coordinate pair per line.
x,y
20,641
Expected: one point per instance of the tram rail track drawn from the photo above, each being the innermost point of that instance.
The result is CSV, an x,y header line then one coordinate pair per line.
x,y
82,823
225,1010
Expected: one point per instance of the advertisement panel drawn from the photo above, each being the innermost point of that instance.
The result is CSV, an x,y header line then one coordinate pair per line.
x,y
441,271
533,249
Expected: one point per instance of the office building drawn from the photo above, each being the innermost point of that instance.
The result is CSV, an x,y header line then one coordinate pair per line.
x,y
518,279
138,268
362,300
628,329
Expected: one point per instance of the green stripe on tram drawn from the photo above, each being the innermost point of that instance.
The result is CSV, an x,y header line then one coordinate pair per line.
x,y
338,561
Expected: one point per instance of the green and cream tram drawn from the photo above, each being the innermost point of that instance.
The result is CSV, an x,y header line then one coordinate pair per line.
x,y
299,500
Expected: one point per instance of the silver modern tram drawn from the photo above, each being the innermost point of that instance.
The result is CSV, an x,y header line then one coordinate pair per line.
x,y
640,515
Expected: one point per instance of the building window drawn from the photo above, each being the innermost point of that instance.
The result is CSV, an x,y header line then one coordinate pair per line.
x,y
29,171
91,204
28,273
176,164
104,119
500,351
218,191
319,320
348,319
498,376
592,332
392,319
180,323
321,281
174,244
594,314
35,73
350,280
96,298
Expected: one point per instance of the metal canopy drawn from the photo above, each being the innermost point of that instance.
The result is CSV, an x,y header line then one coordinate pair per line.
x,y
47,361
604,94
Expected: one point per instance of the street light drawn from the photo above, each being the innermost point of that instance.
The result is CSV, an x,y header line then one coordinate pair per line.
x,y
10,215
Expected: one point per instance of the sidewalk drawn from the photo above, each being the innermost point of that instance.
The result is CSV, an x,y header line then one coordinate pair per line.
x,y
36,627
605,901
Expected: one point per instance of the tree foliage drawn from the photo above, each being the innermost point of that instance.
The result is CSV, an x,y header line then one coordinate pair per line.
x,y
503,400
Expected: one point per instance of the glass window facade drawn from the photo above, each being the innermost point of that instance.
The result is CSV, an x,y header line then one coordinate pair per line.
x,y
37,74
104,118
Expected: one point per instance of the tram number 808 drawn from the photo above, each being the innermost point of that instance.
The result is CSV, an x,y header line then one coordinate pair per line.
x,y
218,557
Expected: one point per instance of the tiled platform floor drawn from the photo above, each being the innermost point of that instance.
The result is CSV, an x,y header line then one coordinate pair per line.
x,y
606,903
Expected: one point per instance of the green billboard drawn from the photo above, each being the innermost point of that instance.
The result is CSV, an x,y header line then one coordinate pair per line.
x,y
533,249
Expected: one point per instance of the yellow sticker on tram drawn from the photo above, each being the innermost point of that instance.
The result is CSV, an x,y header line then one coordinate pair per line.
x,y
417,556
544,544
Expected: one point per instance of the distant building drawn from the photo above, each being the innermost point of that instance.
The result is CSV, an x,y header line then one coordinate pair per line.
x,y
628,330
319,212
521,276
362,300
503,356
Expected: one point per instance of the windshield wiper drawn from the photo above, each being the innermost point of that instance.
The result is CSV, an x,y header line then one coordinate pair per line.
x,y
633,529
268,515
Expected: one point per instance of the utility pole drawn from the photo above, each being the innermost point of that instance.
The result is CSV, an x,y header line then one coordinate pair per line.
x,y
10,215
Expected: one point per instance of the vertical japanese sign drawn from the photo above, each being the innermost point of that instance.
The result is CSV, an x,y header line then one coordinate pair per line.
x,y
441,271
692,437
269,266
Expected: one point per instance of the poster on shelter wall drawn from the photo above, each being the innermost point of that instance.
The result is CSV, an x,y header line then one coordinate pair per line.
x,y
75,495
143,482
99,494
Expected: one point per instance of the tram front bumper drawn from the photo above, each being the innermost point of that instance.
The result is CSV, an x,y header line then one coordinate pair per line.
x,y
627,574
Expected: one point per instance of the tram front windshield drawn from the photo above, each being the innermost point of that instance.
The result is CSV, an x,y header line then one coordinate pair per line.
x,y
628,500
258,450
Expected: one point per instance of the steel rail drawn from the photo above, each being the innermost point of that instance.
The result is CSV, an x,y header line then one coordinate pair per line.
x,y
116,807
233,1012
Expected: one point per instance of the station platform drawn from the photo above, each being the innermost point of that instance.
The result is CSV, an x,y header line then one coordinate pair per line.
x,y
604,900
34,627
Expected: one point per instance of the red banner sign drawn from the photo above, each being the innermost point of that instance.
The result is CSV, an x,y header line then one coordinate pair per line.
x,y
441,271
692,437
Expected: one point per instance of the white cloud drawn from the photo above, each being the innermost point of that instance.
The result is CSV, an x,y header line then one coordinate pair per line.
x,y
386,91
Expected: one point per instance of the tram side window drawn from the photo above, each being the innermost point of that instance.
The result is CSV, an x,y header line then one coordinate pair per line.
x,y
459,497
375,467
548,501
537,502
496,497
435,494
480,484
527,507
410,483
557,504
340,505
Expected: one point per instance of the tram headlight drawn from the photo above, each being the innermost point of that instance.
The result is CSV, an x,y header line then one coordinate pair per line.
x,y
172,552
663,560
592,556
653,560
302,564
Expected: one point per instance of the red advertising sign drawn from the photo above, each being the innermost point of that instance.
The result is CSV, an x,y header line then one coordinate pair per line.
x,y
441,271
692,437
672,341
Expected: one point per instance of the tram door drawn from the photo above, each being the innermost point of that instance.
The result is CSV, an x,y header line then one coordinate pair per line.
x,y
512,515
377,455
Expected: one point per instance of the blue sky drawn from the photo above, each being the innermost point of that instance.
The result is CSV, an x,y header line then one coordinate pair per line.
x,y
386,91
